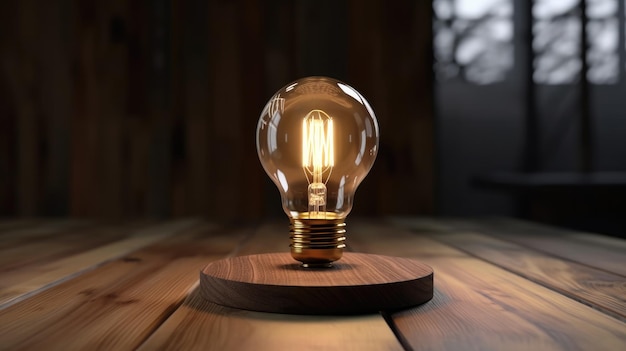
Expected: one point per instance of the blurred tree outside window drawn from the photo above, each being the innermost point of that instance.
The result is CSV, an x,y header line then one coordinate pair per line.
x,y
473,40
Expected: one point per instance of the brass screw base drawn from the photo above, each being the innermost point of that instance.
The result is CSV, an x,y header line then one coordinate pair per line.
x,y
317,242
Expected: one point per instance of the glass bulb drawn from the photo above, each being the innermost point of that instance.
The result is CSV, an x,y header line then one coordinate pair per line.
x,y
317,139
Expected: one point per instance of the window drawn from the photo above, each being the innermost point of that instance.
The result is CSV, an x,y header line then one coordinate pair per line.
x,y
473,40
556,30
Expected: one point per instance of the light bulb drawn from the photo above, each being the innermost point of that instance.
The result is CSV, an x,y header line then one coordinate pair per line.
x,y
317,139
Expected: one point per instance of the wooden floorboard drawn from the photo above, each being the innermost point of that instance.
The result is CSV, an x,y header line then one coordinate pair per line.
x,y
201,325
38,230
8,224
34,245
27,280
594,250
118,305
479,306
35,248
597,288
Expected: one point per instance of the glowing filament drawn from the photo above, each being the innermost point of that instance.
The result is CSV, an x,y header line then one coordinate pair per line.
x,y
318,156
317,144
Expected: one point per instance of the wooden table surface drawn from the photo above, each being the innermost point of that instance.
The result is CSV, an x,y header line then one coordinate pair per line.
x,y
500,284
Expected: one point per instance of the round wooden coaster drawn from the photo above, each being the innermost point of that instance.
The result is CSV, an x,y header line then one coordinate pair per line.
x,y
358,283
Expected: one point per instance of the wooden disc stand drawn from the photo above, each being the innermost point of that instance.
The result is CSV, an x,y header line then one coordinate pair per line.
x,y
358,283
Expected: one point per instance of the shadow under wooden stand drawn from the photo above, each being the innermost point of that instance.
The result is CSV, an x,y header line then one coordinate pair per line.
x,y
358,283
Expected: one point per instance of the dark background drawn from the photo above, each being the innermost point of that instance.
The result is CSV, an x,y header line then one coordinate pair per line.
x,y
149,108
123,109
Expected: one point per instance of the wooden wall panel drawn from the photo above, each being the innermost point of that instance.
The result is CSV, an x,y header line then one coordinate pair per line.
x,y
55,84
252,63
191,181
85,136
225,180
390,62
22,71
149,108
159,110
137,126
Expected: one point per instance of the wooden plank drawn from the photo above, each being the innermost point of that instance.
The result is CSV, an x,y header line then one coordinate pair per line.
x,y
112,75
178,184
119,304
137,124
594,250
56,90
96,186
252,78
32,279
85,136
406,32
21,69
8,109
478,306
597,288
366,74
9,224
38,230
25,253
159,98
226,111
200,325
390,46
194,93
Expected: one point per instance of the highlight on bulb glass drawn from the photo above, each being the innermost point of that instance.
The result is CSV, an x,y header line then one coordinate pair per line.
x,y
317,138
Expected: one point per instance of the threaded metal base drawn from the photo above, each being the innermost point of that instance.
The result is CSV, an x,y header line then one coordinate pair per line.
x,y
317,242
